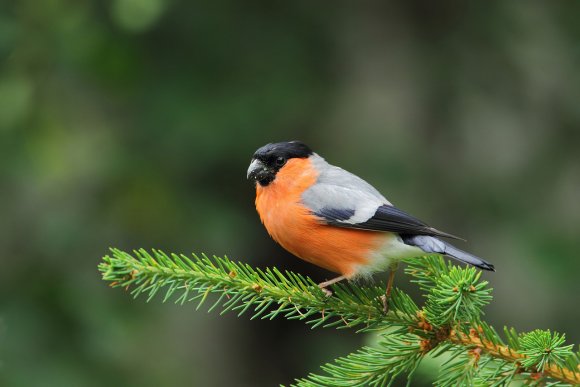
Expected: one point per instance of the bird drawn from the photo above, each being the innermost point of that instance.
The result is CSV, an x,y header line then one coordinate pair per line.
x,y
334,219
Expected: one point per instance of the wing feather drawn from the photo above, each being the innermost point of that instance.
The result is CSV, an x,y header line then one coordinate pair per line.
x,y
342,199
391,219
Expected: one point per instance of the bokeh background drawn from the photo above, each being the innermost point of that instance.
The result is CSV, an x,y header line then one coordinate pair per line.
x,y
131,123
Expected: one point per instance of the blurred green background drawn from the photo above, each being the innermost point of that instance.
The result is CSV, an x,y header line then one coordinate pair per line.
x,y
131,123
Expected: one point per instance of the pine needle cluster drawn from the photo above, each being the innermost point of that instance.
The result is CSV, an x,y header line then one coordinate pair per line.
x,y
449,322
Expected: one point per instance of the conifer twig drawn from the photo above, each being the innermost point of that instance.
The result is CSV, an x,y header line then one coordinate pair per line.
x,y
504,352
450,321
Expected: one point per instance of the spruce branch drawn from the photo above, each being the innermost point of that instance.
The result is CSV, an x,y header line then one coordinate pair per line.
x,y
241,288
449,323
396,354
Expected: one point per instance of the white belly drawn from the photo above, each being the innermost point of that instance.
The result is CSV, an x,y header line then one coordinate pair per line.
x,y
389,254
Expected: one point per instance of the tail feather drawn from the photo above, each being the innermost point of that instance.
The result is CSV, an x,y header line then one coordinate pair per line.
x,y
431,244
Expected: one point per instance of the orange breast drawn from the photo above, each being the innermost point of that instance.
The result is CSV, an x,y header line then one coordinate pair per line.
x,y
292,225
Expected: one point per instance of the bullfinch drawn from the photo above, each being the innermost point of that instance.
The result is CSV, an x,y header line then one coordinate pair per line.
x,y
336,220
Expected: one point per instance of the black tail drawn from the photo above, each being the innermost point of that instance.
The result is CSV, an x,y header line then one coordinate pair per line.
x,y
431,244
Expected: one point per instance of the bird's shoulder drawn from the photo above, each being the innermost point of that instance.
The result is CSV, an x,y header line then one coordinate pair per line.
x,y
336,183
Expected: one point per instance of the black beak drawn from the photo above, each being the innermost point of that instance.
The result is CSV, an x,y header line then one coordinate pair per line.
x,y
258,171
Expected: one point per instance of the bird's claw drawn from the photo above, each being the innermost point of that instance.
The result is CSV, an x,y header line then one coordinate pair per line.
x,y
327,292
385,302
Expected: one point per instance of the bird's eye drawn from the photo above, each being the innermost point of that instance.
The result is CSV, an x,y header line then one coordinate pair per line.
x,y
280,161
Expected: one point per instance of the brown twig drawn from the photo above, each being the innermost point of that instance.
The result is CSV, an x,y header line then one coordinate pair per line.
x,y
504,352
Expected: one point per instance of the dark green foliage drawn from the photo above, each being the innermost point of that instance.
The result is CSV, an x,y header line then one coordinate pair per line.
x,y
395,355
459,369
449,323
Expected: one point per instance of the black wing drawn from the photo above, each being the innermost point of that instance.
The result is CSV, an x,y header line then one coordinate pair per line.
x,y
386,218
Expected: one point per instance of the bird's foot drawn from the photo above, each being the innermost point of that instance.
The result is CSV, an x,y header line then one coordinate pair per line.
x,y
385,298
324,285
327,292
385,301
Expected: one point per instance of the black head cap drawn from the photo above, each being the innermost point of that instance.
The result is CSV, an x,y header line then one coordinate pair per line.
x,y
288,150
272,157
